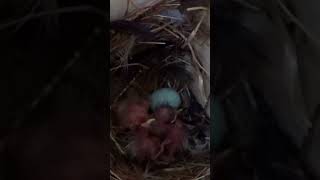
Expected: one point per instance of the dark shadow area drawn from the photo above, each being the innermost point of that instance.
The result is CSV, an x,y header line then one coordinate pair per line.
x,y
54,90
248,140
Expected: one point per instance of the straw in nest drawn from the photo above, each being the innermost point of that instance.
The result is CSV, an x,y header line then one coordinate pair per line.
x,y
136,65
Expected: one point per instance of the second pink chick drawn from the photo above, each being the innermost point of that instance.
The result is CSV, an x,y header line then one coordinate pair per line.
x,y
133,112
145,146
170,130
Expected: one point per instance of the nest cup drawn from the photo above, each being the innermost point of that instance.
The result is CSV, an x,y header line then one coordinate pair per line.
x,y
155,44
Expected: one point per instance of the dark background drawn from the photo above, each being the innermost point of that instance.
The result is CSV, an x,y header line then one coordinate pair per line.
x,y
32,52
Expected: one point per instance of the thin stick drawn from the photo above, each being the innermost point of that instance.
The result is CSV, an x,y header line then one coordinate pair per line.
x,y
127,87
153,43
168,17
197,8
170,5
115,175
196,29
201,177
135,14
160,27
179,33
172,33
36,5
117,144
127,65
194,57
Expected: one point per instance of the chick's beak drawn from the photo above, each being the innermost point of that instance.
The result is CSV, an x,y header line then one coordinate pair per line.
x,y
148,123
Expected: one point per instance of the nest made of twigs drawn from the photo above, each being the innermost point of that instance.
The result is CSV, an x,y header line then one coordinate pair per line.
x,y
134,59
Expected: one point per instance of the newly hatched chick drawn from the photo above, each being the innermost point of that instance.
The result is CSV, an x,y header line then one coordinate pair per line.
x,y
161,138
145,146
165,114
160,127
170,130
174,141
133,112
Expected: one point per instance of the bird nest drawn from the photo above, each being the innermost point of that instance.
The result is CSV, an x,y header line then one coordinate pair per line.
x,y
151,49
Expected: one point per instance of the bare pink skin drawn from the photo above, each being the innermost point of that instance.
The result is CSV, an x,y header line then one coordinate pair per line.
x,y
146,147
132,113
164,114
162,139
160,129
174,140
170,130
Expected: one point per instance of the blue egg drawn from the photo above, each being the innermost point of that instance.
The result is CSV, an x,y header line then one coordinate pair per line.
x,y
165,97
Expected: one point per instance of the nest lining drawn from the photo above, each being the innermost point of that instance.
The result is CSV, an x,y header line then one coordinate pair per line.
x,y
150,50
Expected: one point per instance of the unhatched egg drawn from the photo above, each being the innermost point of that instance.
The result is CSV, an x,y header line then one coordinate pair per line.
x,y
165,97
